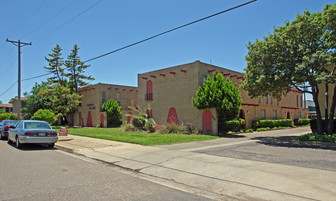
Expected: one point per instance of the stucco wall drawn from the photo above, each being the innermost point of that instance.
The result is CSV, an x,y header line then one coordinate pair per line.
x,y
175,87
93,99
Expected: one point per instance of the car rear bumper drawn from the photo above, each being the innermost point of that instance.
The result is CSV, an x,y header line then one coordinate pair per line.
x,y
38,140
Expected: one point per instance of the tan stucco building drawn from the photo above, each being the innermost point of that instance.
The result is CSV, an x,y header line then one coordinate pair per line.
x,y
7,107
17,105
169,93
89,112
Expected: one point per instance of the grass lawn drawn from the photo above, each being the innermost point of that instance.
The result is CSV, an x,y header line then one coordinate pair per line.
x,y
137,137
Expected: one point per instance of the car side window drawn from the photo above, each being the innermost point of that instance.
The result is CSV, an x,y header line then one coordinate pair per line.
x,y
18,125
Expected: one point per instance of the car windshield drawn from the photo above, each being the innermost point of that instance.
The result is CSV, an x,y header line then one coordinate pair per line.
x,y
38,125
10,123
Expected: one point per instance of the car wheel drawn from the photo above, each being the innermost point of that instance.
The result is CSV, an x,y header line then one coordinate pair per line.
x,y
18,144
51,145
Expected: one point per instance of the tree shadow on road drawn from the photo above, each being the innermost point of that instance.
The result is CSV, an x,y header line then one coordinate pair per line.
x,y
290,142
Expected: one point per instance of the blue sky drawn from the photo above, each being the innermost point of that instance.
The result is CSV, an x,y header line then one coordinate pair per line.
x,y
112,24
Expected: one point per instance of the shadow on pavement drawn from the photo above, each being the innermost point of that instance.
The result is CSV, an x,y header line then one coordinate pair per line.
x,y
33,147
289,141
232,136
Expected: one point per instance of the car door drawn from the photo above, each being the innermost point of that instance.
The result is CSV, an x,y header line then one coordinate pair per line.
x,y
13,131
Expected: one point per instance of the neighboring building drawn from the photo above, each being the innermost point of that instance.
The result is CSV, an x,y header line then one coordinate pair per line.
x,y
310,105
17,105
89,112
7,107
169,93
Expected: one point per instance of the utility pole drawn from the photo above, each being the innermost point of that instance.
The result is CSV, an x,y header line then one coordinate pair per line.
x,y
19,44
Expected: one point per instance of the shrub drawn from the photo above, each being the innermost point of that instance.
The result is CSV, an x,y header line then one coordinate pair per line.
x,y
317,137
179,129
138,121
271,123
248,130
113,111
233,125
263,129
44,115
7,116
150,125
98,126
301,122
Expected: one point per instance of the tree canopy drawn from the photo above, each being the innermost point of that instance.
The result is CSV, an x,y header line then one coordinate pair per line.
x,y
294,55
221,94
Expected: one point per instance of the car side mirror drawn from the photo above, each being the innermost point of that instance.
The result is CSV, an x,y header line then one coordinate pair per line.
x,y
12,127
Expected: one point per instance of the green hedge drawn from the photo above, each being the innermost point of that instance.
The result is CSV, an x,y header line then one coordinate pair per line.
x,y
271,123
8,116
233,125
301,122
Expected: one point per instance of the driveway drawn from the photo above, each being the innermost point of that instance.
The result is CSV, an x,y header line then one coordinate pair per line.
x,y
276,146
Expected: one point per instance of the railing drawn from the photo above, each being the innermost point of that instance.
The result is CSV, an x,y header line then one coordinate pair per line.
x,y
149,96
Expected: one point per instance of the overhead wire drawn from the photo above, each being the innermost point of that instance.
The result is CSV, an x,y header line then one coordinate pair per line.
x,y
174,29
136,43
49,19
67,22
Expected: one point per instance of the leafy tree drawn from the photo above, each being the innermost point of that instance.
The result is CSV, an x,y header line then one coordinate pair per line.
x,y
113,111
44,115
62,99
76,69
55,62
295,54
221,94
35,102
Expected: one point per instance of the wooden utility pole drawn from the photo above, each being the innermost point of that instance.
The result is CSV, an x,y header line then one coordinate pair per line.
x,y
19,44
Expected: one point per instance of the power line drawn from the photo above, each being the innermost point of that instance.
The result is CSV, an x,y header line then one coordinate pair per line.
x,y
30,16
35,77
70,20
174,29
9,88
49,19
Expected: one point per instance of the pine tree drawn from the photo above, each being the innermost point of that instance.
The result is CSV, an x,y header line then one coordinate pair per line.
x,y
76,69
55,62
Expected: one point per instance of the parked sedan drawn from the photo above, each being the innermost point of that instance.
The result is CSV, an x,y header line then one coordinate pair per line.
x,y
5,125
32,132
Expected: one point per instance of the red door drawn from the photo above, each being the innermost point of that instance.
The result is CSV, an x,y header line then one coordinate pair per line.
x,y
129,117
102,120
89,120
207,121
172,116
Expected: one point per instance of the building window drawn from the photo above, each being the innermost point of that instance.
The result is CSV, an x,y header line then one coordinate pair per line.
x,y
275,114
299,114
297,100
149,94
103,97
263,114
278,102
266,99
271,100
301,101
259,100
204,77
118,97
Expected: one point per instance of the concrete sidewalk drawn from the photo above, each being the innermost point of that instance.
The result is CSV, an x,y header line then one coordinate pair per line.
x,y
225,177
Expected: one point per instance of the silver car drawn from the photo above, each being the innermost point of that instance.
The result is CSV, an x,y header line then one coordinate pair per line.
x,y
32,131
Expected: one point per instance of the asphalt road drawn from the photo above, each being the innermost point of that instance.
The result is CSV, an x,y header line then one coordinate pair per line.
x,y
38,173
276,146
